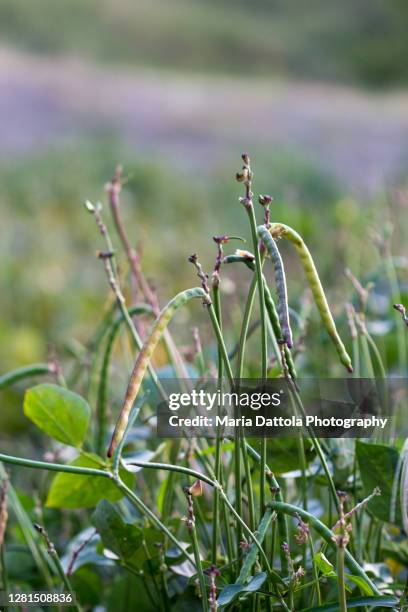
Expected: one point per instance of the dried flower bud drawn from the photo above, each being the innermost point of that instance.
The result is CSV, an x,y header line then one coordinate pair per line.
x,y
244,544
342,495
285,547
402,310
242,176
245,158
196,489
302,534
104,254
265,200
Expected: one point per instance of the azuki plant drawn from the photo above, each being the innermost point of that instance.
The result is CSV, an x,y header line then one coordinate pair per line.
x,y
198,523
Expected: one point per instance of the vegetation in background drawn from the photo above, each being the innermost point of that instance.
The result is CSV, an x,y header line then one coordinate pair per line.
x,y
237,524
358,41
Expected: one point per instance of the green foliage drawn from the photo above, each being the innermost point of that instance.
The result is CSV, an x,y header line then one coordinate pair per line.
x,y
378,465
80,491
119,536
232,591
132,543
152,545
61,414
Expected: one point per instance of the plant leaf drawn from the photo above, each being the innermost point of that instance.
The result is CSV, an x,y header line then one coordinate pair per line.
x,y
231,591
378,463
361,583
324,565
61,414
255,583
83,491
119,536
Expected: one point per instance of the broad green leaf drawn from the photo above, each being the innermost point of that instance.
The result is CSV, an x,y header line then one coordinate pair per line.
x,y
323,564
82,491
133,544
60,413
283,454
255,583
120,537
361,583
231,591
378,463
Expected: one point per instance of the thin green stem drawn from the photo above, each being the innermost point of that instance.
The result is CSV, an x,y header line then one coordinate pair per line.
x,y
244,327
200,573
53,467
4,572
141,506
218,441
282,522
317,447
327,535
341,579
264,347
396,298
36,369
52,551
315,572
213,483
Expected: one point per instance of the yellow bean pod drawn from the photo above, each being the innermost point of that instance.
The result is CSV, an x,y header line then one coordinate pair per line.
x,y
279,230
145,355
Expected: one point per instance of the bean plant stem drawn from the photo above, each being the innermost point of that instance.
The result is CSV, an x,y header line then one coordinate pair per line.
x,y
141,506
36,369
53,467
4,573
396,297
326,534
264,348
238,434
215,517
341,579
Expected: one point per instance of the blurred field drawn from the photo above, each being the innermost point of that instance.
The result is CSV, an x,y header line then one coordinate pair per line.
x,y
175,91
361,41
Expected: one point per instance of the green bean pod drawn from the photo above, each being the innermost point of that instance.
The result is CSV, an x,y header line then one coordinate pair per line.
x,y
270,308
280,279
102,396
274,319
145,355
278,230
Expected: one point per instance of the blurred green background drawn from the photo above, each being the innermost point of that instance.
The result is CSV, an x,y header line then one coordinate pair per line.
x,y
175,90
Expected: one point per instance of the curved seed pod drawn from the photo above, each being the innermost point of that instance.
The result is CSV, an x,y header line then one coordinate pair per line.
x,y
274,319
242,257
283,309
144,356
102,396
279,229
